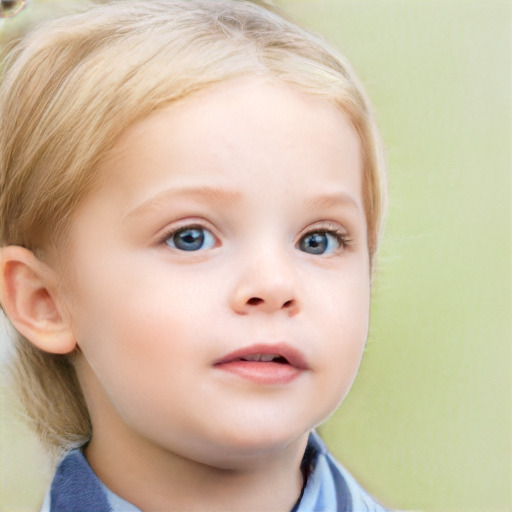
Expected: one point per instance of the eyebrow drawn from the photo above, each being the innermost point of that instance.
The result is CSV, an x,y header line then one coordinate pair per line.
x,y
204,193
334,200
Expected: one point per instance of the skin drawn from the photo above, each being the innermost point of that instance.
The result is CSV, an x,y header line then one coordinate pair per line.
x,y
257,166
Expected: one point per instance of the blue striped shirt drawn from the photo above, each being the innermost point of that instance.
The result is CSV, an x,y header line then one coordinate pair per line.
x,y
329,487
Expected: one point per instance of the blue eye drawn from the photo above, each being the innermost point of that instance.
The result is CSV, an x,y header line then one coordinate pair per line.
x,y
320,242
194,238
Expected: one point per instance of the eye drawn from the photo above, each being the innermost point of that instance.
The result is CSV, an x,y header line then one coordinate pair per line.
x,y
320,242
191,238
10,8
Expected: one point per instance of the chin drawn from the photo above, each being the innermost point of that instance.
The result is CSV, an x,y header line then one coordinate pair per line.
x,y
252,446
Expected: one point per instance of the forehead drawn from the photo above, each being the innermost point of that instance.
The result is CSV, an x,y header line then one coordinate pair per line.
x,y
244,119
249,133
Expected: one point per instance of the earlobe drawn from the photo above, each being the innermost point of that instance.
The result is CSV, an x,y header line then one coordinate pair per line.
x,y
28,294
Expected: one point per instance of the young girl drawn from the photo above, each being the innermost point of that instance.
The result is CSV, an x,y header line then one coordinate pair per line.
x,y
192,193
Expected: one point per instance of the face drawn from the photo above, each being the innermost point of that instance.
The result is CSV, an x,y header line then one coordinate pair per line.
x,y
219,291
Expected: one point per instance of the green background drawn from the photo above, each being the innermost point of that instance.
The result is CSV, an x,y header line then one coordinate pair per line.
x,y
427,424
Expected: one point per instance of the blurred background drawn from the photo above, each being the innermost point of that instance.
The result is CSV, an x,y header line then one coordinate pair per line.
x,y
427,424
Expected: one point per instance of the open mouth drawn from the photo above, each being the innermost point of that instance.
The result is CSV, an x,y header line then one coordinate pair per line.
x,y
265,358
264,364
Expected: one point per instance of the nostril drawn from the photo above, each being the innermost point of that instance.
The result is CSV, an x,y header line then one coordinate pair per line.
x,y
288,304
254,301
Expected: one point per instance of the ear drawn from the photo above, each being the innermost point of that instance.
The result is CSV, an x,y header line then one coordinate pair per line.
x,y
28,294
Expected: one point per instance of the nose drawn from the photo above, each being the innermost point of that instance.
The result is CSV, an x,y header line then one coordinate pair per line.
x,y
268,286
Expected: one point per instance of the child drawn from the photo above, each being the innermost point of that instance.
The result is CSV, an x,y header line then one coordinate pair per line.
x,y
192,193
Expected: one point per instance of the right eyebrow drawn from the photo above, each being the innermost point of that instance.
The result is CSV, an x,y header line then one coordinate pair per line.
x,y
205,194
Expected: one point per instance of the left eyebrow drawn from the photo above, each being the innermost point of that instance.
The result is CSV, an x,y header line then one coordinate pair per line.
x,y
334,200
203,193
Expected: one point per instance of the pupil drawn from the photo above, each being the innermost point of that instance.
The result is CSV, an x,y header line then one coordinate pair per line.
x,y
315,243
189,239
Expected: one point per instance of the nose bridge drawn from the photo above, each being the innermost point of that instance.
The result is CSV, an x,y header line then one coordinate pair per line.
x,y
267,281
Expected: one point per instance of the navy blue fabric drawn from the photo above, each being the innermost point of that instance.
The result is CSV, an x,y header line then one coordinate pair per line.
x,y
343,495
328,487
75,487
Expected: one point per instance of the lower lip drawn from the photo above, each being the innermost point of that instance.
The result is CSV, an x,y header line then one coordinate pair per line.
x,y
261,372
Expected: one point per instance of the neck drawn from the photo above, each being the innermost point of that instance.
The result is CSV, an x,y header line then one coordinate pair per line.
x,y
153,479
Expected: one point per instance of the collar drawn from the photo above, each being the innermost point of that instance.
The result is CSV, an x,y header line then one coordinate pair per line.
x,y
328,486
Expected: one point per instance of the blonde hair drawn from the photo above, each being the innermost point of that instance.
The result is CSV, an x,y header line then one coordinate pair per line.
x,y
72,86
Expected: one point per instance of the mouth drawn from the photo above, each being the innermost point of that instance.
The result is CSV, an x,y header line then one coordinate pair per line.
x,y
265,358
264,364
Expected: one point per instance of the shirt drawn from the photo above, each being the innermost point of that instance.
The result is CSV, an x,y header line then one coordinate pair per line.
x,y
329,487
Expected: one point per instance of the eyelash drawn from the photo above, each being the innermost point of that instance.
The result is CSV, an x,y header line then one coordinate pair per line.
x,y
339,234
191,224
333,230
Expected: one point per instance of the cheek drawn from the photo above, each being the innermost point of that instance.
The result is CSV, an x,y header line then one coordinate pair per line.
x,y
137,351
142,324
145,345
344,319
346,302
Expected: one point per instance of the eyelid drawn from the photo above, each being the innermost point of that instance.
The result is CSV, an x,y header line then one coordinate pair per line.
x,y
327,226
194,222
331,227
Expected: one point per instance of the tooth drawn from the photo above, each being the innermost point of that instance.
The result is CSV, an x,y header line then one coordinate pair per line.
x,y
265,358
255,357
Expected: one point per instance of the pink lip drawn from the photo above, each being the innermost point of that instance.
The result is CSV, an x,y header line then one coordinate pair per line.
x,y
265,372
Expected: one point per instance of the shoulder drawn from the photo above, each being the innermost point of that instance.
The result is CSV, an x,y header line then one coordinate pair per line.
x,y
75,487
330,486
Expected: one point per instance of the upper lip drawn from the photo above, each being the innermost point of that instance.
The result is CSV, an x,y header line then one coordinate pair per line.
x,y
293,356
